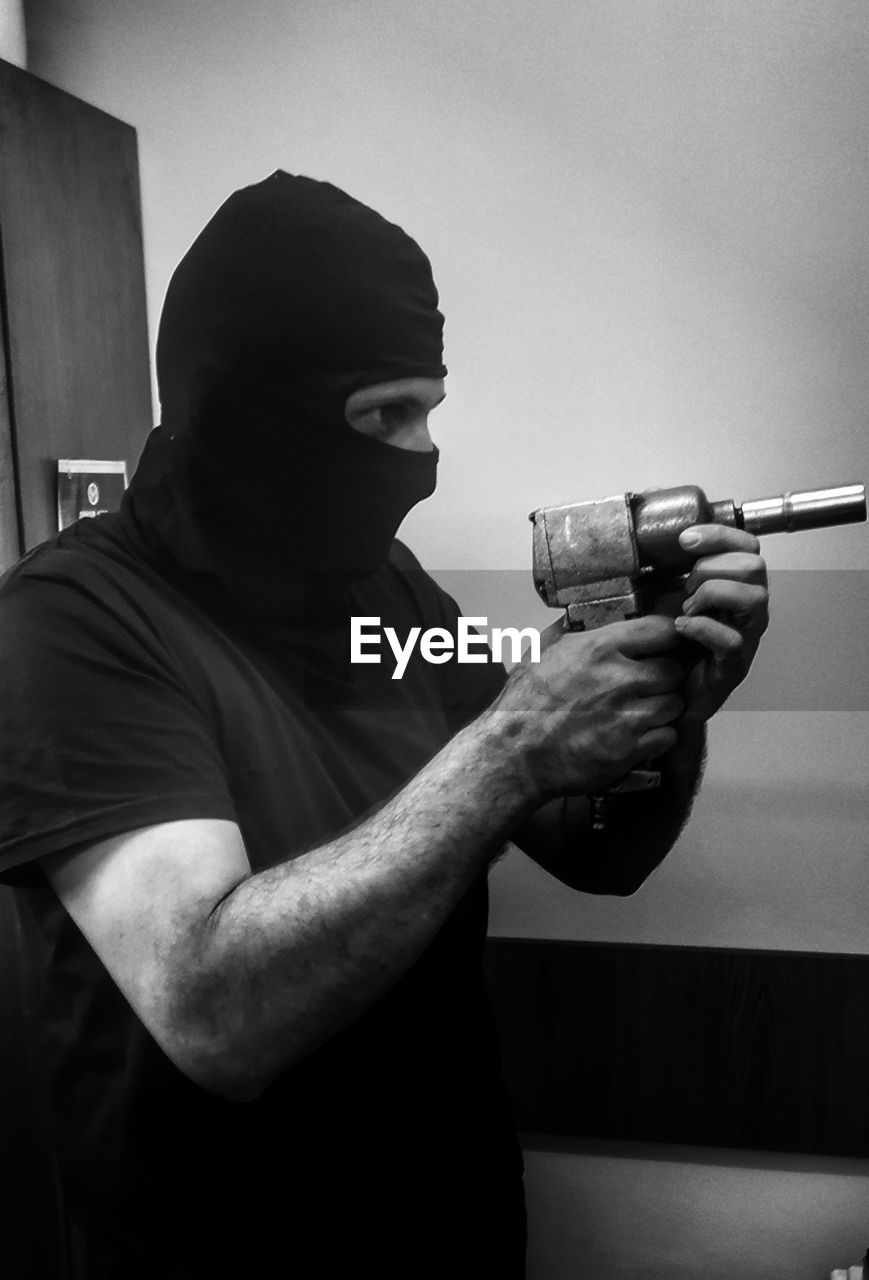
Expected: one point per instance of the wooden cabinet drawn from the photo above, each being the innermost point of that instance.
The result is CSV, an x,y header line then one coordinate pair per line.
x,y
77,377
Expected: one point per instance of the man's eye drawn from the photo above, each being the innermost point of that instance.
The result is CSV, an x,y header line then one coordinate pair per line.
x,y
397,411
398,408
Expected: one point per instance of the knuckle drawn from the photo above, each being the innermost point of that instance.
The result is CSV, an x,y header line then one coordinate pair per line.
x,y
744,564
742,540
596,643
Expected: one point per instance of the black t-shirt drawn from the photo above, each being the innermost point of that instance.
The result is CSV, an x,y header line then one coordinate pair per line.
x,y
124,703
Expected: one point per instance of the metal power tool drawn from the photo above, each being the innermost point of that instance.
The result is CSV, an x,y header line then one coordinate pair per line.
x,y
619,557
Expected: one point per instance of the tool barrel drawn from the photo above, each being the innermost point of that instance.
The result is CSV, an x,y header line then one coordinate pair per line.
x,y
814,509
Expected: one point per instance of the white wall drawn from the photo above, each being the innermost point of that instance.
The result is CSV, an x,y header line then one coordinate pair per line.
x,y
648,223
13,46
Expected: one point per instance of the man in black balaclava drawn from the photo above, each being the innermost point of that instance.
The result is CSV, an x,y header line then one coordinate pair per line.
x,y
253,872
292,299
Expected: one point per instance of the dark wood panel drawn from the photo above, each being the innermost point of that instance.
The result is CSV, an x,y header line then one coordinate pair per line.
x,y
73,272
751,1049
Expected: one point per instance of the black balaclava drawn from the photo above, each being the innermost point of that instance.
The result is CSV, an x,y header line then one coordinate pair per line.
x,y
292,297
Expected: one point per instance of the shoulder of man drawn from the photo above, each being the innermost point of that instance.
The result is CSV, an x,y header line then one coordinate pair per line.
x,y
74,556
99,733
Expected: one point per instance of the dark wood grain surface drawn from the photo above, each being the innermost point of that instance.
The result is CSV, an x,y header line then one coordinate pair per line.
x,y
750,1049
74,297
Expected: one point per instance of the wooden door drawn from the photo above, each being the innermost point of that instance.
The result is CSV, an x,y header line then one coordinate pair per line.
x,y
74,382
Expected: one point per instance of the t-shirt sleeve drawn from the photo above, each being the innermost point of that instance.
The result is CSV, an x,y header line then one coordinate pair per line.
x,y
97,734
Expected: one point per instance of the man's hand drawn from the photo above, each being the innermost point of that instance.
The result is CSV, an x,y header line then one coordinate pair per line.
x,y
596,704
726,611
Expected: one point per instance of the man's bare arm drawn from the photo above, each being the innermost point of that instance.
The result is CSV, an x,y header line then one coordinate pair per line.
x,y
239,975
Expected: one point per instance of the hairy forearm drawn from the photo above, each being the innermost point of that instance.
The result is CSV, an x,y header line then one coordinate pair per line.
x,y
639,828
295,953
